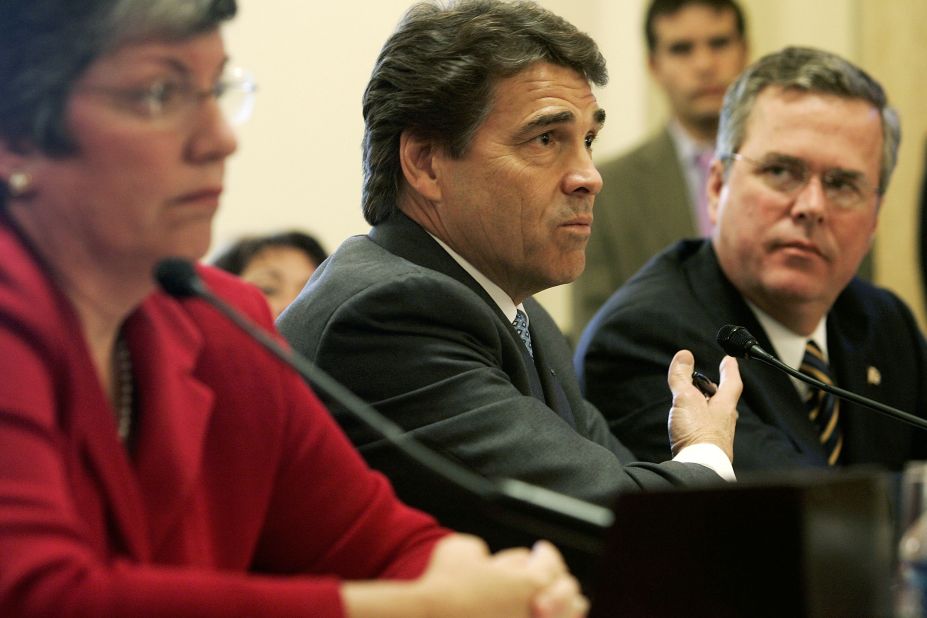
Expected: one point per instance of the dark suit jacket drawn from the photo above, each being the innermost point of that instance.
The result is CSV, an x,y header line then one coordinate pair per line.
x,y
643,207
682,298
393,317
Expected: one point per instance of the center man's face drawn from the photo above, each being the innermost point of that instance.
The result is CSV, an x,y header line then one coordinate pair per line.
x,y
518,204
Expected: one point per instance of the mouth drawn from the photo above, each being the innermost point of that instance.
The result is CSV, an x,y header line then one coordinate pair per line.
x,y
710,91
800,248
579,223
203,197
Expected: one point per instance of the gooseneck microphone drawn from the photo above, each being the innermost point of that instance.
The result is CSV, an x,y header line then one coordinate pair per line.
x,y
739,343
178,277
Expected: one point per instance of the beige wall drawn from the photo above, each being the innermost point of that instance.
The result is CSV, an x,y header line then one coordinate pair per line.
x,y
299,158
299,163
894,49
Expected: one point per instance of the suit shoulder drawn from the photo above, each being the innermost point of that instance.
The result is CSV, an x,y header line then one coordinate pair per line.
x,y
364,284
360,265
659,286
667,269
862,297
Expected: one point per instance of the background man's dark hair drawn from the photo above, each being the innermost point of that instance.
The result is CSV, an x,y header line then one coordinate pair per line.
x,y
659,8
435,76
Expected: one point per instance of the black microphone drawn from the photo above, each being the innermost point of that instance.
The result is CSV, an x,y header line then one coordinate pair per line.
x,y
739,343
178,277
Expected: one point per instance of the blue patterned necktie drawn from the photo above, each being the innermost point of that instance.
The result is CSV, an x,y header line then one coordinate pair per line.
x,y
823,408
521,327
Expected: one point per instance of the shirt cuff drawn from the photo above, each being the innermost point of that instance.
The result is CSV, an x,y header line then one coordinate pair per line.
x,y
709,455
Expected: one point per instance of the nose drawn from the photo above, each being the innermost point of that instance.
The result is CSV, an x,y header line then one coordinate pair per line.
x,y
582,177
810,203
213,137
703,58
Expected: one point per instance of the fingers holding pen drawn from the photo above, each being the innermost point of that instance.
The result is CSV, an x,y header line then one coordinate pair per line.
x,y
695,418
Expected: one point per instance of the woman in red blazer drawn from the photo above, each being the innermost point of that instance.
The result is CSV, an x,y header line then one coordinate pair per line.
x,y
153,460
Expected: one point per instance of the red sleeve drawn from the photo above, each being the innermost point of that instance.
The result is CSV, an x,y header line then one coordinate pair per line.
x,y
324,481
49,566
324,484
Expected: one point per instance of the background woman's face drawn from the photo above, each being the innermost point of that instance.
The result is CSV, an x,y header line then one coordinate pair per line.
x,y
280,273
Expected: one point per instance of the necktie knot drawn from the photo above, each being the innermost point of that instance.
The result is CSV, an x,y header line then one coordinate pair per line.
x,y
521,327
822,407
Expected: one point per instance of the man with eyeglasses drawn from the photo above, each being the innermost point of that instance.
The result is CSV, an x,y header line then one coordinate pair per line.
x,y
806,146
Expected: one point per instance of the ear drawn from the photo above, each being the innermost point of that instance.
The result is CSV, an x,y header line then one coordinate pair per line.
x,y
745,46
14,157
417,157
652,64
875,223
713,189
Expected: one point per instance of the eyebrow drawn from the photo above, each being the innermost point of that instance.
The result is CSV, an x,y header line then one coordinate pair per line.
x,y
774,157
180,67
546,120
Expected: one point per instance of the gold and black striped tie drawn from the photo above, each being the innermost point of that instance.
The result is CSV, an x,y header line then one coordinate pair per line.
x,y
823,408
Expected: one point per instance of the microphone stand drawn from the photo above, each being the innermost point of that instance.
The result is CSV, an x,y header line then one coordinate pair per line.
x,y
579,523
756,352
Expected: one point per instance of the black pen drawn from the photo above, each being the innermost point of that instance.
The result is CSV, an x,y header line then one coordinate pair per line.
x,y
703,384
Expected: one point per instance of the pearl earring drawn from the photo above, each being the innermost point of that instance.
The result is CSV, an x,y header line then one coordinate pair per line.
x,y
19,183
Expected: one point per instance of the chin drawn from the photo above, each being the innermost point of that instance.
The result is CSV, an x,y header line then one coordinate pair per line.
x,y
566,276
192,244
797,289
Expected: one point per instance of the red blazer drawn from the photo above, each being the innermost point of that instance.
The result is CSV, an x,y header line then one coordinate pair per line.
x,y
236,475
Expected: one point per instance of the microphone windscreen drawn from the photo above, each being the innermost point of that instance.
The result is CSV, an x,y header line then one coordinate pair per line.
x,y
177,277
736,340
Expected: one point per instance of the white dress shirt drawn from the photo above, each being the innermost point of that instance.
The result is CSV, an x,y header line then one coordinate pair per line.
x,y
789,346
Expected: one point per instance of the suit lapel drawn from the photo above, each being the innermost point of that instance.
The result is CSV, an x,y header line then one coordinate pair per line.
x,y
532,369
868,436
403,237
175,412
108,464
552,390
770,392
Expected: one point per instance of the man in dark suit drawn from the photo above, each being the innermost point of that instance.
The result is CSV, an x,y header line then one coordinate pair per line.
x,y
479,185
653,195
806,146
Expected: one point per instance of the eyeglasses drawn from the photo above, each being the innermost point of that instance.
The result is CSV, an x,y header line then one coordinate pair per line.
x,y
844,189
173,99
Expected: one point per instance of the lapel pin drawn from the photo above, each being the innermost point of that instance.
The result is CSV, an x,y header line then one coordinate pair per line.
x,y
873,376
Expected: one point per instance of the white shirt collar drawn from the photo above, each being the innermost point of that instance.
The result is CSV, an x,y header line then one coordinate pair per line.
x,y
788,345
502,300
